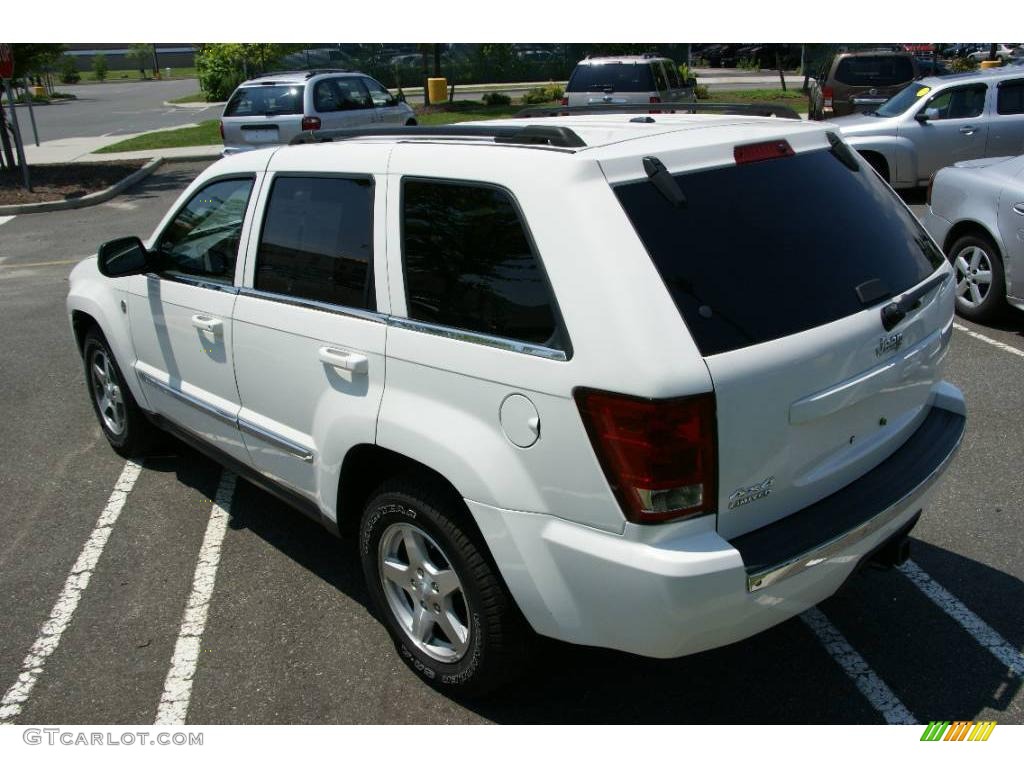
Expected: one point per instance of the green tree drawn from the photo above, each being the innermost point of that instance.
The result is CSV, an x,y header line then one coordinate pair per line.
x,y
99,66
142,55
222,66
69,70
35,58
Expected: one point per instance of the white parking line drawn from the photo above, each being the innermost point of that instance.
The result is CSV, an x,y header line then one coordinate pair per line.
x,y
5,219
178,686
868,683
987,637
64,609
987,340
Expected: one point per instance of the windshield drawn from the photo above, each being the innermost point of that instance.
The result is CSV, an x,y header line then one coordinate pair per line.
x,y
749,271
265,100
611,78
903,100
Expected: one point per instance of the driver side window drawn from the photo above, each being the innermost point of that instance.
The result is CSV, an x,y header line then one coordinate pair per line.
x,y
954,103
203,238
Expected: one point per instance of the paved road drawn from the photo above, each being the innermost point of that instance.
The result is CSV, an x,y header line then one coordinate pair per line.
x,y
113,109
289,638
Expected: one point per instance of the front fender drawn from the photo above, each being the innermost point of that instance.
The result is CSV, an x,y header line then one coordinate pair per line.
x,y
98,297
898,152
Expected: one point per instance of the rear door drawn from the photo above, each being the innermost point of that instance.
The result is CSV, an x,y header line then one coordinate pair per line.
x,y
864,83
811,390
1006,120
263,114
343,102
309,333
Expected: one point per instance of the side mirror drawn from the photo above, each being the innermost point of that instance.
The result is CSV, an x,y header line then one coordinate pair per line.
x,y
122,257
928,114
691,82
400,97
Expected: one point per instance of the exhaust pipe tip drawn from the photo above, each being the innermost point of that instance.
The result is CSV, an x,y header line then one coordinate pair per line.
x,y
894,552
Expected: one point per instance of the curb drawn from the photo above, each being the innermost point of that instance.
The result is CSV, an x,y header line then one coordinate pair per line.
x,y
194,104
86,200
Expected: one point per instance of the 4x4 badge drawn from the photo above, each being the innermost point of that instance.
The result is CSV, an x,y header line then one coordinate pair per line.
x,y
889,343
742,496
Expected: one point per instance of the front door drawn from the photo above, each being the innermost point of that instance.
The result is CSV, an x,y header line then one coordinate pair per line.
x,y
181,317
955,131
309,342
389,111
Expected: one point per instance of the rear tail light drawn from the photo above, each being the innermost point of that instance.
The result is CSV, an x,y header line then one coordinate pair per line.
x,y
826,98
311,123
565,101
764,150
659,456
655,100
222,130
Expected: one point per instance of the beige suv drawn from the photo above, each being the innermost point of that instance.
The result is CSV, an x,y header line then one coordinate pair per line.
x,y
859,82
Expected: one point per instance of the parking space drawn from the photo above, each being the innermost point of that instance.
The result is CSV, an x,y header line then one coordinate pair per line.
x,y
287,636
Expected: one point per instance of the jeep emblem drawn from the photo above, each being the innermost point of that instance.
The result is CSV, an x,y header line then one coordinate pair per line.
x,y
889,343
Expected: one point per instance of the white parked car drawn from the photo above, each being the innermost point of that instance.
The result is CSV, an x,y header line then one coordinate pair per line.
x,y
939,121
548,379
643,79
276,108
976,212
1004,52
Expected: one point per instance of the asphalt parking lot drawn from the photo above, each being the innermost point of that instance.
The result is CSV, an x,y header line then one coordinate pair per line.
x,y
288,635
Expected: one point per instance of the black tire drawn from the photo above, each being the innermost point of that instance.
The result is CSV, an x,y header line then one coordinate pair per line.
x,y
499,639
411,121
879,164
138,434
993,298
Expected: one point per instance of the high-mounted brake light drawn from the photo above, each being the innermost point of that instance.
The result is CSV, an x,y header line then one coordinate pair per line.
x,y
311,123
764,150
659,456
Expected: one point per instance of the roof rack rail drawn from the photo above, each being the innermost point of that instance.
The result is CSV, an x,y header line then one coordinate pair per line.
x,y
546,135
308,72
668,107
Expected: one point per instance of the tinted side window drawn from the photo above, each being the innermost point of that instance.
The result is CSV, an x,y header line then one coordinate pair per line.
x,y
379,95
469,263
875,70
954,103
317,241
203,238
1011,98
660,83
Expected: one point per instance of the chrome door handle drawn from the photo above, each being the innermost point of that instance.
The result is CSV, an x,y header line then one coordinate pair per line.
x,y
207,323
1019,209
346,361
967,130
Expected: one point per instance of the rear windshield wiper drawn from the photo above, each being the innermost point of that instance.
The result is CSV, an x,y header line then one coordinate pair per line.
x,y
664,182
893,313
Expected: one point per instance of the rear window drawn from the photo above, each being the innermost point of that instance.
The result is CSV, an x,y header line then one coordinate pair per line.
x,y
875,70
785,254
611,78
265,100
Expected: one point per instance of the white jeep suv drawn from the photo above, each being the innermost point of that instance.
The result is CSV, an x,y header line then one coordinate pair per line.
x,y
586,377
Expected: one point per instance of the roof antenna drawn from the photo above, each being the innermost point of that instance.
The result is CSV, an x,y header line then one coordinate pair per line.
x,y
664,182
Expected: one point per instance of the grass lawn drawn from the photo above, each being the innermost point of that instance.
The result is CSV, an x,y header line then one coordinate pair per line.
x,y
462,111
793,97
176,73
205,134
189,98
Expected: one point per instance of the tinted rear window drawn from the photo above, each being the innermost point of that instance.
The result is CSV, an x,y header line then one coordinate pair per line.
x,y
767,249
1011,98
875,70
611,77
265,100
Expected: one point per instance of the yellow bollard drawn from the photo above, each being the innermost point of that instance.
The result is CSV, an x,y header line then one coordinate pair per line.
x,y
437,89
991,64
38,90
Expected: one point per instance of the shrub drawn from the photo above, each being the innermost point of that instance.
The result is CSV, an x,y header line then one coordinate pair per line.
x,y
69,70
495,99
701,92
962,64
749,64
543,94
99,66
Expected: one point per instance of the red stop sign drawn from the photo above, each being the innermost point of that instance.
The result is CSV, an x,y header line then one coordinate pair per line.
x,y
6,61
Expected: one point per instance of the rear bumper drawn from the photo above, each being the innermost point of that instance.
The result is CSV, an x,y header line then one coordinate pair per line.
x,y
675,590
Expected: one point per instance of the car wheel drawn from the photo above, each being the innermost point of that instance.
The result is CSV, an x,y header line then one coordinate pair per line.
x,y
411,121
124,424
980,283
437,591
